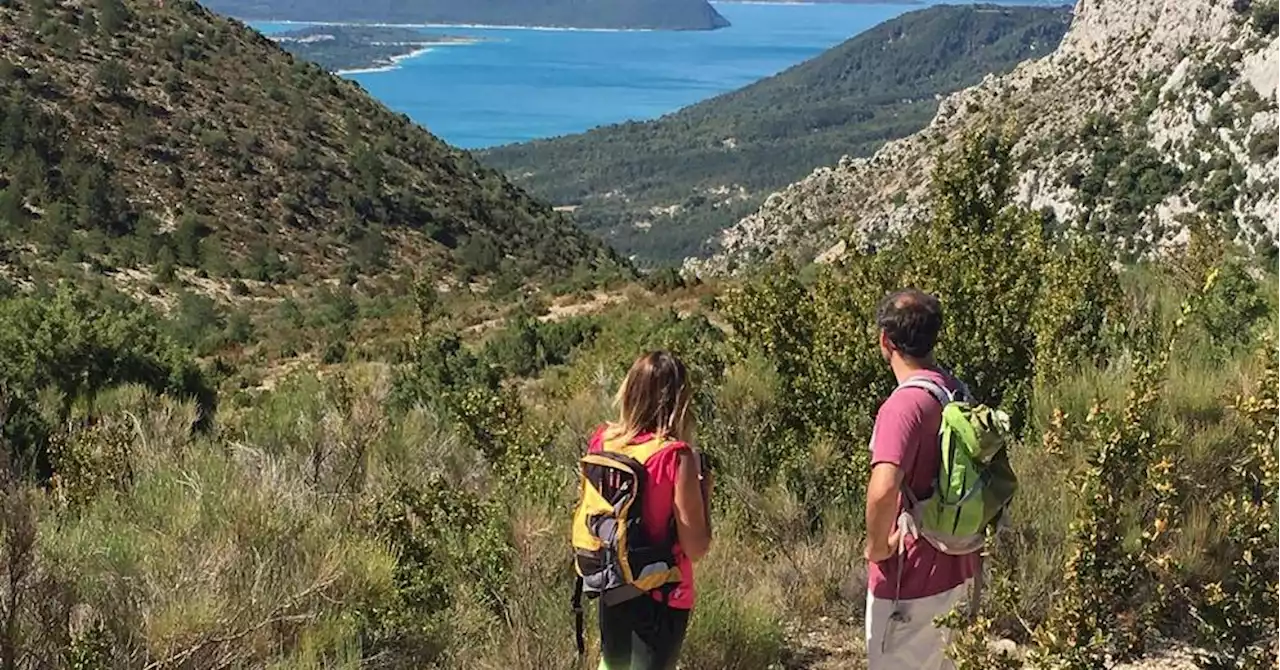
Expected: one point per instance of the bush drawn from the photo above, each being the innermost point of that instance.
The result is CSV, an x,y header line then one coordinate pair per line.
x,y
526,346
821,339
1262,146
664,280
79,345
1265,17
113,78
270,561
732,627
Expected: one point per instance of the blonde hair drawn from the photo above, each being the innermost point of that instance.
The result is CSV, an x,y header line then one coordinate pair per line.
x,y
654,398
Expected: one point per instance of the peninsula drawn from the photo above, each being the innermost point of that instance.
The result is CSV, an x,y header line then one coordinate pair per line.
x,y
582,14
346,49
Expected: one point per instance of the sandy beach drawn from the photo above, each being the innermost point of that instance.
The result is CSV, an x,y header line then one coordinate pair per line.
x,y
394,63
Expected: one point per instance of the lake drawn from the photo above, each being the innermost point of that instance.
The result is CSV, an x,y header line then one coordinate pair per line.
x,y
521,84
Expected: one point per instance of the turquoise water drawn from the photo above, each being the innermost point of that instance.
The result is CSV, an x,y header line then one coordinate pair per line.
x,y
523,84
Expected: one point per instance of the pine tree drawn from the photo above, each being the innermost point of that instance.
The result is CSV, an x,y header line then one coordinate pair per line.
x,y
113,16
164,268
186,240
113,78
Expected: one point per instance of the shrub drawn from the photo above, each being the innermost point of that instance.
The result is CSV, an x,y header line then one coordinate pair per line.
x,y
664,280
1265,17
821,340
220,570
80,345
449,542
113,78
1262,146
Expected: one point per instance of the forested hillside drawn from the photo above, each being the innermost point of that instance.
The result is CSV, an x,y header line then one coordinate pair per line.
x,y
658,189
140,136
617,14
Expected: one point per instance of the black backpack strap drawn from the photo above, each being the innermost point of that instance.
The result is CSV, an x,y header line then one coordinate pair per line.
x,y
578,623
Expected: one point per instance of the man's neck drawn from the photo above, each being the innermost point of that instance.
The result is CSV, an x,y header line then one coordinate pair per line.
x,y
904,367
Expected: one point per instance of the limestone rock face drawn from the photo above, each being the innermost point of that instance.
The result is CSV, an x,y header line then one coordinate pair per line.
x,y
1181,89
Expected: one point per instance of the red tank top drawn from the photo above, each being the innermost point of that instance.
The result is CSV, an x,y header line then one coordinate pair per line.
x,y
658,513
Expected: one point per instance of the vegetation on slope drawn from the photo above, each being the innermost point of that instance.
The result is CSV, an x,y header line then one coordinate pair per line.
x,y
658,189
413,515
629,14
136,134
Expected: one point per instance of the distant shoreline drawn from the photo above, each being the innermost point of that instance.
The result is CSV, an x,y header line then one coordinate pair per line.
x,y
490,26
395,60
482,26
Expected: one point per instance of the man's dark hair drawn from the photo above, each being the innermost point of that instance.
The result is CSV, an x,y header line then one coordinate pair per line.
x,y
911,320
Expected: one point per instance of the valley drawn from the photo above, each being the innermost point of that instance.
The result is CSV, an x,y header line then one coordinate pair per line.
x,y
657,190
289,381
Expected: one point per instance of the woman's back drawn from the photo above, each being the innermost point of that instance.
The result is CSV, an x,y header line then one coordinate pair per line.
x,y
658,514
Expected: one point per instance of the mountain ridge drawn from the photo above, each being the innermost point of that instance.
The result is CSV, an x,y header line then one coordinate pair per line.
x,y
659,188
596,14
136,135
1148,118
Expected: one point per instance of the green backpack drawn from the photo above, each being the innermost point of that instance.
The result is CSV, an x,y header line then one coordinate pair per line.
x,y
975,482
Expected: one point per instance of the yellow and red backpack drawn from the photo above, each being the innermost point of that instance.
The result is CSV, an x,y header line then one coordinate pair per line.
x,y
612,556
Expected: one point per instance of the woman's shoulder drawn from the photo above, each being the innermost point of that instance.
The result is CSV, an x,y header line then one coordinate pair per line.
x,y
596,441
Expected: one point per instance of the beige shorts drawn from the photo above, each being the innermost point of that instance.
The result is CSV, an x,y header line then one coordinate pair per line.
x,y
911,643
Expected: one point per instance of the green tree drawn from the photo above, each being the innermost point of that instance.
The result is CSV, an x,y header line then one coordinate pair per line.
x,y
165,266
199,322
96,201
112,16
113,78
13,214
187,238
240,327
80,344
264,263
88,25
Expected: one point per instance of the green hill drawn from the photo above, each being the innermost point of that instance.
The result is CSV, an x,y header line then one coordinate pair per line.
x,y
138,135
658,189
629,14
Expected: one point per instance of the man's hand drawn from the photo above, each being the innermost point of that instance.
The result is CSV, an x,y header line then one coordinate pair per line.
x,y
878,551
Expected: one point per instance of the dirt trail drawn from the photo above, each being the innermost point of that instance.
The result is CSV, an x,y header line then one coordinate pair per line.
x,y
831,643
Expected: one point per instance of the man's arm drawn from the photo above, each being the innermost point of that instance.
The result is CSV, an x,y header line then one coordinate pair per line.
x,y
892,445
882,511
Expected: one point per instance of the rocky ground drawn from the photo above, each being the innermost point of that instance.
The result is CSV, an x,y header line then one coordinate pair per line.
x,y
836,643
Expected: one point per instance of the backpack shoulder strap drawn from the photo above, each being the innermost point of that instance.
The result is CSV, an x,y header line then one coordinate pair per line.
x,y
942,395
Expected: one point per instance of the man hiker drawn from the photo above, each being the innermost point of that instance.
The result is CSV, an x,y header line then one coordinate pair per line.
x,y
909,582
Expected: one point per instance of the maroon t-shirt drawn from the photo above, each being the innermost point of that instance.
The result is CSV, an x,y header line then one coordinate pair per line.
x,y
906,435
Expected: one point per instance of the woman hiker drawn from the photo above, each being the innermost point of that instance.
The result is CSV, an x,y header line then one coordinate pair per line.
x,y
644,630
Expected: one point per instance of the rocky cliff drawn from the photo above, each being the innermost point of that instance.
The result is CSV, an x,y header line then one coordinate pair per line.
x,y
1150,114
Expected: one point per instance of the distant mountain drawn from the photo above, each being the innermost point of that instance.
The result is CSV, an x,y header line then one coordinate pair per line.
x,y
658,189
135,135
617,14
